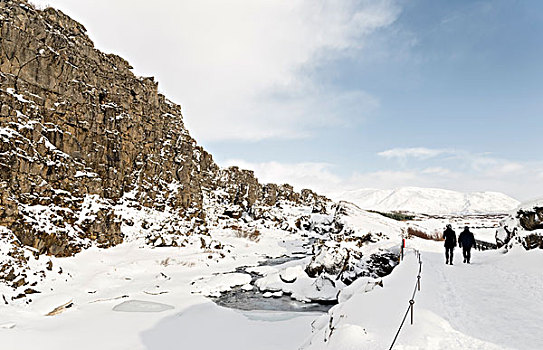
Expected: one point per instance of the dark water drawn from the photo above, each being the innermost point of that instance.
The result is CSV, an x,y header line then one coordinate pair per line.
x,y
282,259
252,300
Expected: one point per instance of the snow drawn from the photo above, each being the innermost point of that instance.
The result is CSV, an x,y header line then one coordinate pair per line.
x,y
46,218
206,326
141,306
92,204
88,174
247,287
429,200
301,288
369,222
7,133
214,285
530,205
344,255
493,303
277,294
8,325
98,279
19,97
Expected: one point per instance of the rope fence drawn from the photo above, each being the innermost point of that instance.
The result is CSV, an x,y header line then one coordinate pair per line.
x,y
411,305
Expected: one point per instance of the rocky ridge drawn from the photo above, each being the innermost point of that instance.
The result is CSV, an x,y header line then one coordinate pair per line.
x,y
91,154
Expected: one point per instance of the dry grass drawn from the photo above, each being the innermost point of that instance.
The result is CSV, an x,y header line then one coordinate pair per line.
x,y
435,236
169,261
252,234
60,309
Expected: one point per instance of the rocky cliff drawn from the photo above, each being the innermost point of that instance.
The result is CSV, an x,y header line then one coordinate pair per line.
x,y
84,143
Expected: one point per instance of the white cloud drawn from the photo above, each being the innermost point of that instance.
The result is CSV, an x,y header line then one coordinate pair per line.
x,y
490,165
436,171
414,152
241,69
382,179
478,162
509,167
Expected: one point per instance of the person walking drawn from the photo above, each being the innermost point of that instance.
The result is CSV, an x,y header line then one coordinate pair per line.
x,y
450,242
466,241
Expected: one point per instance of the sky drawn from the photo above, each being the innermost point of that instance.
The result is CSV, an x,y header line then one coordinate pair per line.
x,y
341,95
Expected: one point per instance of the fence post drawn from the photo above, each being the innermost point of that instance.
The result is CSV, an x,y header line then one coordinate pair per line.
x,y
411,303
418,282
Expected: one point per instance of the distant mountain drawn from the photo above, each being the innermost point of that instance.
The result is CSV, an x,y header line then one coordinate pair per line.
x,y
429,200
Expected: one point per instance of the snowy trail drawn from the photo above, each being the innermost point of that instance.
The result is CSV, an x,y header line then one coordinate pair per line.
x,y
491,299
494,303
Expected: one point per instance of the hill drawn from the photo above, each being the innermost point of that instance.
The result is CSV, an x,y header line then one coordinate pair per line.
x,y
429,201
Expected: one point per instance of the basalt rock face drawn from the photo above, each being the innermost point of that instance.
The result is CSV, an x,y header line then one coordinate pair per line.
x,y
524,228
79,133
531,220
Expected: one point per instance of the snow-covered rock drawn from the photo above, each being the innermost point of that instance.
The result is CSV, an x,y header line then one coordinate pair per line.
x,y
523,227
214,285
352,243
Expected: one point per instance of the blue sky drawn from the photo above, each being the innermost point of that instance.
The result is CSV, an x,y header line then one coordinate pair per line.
x,y
351,94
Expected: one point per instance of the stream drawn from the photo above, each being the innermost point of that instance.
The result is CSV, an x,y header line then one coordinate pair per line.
x,y
254,299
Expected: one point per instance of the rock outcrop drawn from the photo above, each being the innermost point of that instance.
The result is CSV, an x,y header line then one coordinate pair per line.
x,y
531,220
80,134
524,228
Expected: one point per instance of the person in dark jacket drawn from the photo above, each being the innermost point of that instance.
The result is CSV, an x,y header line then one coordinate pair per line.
x,y
450,242
466,241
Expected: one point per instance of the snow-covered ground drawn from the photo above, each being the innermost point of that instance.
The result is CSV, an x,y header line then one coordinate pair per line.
x,y
493,303
207,326
429,200
134,296
97,280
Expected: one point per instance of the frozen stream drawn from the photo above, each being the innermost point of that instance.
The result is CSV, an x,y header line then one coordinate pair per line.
x,y
240,319
254,300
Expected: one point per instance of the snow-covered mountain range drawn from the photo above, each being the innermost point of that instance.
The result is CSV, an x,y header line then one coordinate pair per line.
x,y
429,200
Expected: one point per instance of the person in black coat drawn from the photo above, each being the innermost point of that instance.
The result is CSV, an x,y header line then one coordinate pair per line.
x,y
450,242
466,241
